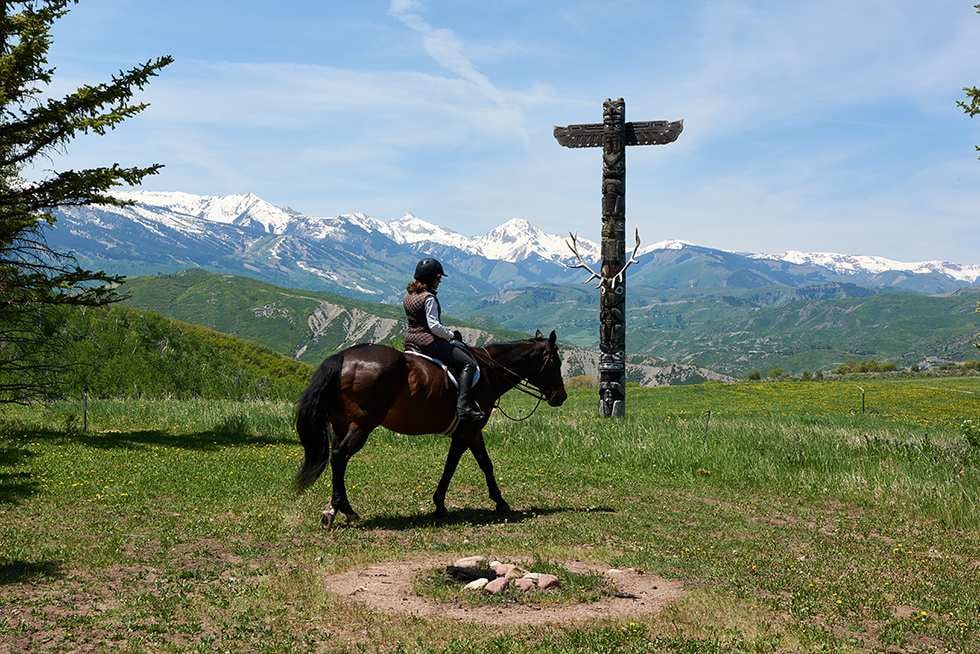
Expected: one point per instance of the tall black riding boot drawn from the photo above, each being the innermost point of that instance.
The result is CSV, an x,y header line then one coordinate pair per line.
x,y
466,408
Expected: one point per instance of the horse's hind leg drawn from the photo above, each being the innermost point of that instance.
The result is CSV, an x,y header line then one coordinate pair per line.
x,y
456,448
479,449
346,447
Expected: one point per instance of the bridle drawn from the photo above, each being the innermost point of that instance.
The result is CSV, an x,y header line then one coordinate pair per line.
x,y
522,385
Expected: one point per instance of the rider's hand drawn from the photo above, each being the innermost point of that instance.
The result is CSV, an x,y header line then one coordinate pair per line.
x,y
457,336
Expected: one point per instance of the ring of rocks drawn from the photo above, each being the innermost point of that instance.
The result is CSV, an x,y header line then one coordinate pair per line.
x,y
390,587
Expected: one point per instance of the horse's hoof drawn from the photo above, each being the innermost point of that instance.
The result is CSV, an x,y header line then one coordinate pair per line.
x,y
352,517
503,508
327,518
440,513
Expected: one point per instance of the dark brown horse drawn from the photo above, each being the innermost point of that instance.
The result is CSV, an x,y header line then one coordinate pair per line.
x,y
367,386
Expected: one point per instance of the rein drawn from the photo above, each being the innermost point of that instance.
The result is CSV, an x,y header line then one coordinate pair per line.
x,y
522,385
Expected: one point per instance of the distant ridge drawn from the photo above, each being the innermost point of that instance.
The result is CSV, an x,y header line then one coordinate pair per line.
x,y
514,240
364,257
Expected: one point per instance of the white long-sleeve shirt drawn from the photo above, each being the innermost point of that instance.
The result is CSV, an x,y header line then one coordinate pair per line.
x,y
432,318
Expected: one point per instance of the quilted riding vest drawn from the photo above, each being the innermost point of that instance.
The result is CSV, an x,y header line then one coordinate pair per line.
x,y
418,333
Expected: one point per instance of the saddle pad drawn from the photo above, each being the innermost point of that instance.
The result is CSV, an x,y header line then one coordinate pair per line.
x,y
445,368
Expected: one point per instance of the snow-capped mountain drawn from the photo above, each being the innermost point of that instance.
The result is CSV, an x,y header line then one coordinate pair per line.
x,y
850,264
518,239
513,241
412,229
362,255
244,210
670,244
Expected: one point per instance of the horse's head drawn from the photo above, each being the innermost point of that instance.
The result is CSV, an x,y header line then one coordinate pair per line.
x,y
547,376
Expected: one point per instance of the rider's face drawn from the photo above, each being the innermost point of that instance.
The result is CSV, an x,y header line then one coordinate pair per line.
x,y
435,282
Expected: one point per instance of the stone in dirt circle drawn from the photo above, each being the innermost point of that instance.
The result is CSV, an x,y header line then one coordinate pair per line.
x,y
547,581
477,584
395,592
497,585
504,569
524,584
471,562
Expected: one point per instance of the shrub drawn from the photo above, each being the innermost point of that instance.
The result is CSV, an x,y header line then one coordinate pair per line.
x,y
870,365
755,375
806,376
775,373
581,381
971,365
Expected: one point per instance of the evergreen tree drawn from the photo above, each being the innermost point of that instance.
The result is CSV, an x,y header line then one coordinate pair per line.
x,y
34,278
971,106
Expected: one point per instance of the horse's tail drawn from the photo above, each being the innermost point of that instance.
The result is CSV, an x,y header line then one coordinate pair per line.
x,y
312,421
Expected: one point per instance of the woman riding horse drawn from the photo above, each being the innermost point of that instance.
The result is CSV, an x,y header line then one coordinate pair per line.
x,y
368,386
426,334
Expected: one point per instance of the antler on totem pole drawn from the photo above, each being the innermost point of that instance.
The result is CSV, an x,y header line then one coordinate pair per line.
x,y
614,279
581,262
618,277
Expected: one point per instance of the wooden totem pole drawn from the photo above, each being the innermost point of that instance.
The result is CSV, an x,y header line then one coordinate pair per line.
x,y
613,135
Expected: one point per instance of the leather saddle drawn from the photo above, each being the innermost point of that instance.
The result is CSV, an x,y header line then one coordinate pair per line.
x,y
446,369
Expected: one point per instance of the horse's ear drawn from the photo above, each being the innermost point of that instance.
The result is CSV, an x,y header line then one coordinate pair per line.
x,y
553,337
538,334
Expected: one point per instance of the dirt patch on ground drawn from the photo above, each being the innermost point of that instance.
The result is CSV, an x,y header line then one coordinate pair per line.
x,y
390,587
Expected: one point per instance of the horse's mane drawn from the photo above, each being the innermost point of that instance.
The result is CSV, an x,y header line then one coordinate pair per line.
x,y
483,354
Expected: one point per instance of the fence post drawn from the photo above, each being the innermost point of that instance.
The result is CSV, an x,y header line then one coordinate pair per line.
x,y
84,412
862,398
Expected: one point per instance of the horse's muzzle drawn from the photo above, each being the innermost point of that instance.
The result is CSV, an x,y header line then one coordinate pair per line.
x,y
557,398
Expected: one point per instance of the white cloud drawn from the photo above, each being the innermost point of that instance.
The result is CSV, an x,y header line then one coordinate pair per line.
x,y
446,49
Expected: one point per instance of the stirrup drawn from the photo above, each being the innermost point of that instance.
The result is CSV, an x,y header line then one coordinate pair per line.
x,y
470,414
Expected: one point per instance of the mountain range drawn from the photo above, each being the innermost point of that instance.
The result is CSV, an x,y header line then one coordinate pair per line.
x,y
361,256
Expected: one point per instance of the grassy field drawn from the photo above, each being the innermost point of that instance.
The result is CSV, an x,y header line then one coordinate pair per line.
x,y
794,521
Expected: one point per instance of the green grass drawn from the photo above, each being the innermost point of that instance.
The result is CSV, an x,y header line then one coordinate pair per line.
x,y
573,588
794,522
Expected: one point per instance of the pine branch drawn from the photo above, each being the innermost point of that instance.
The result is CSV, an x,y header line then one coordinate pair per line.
x,y
78,188
58,121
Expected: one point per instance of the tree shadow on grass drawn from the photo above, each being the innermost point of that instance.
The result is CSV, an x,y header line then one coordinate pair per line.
x,y
15,485
13,572
211,440
470,517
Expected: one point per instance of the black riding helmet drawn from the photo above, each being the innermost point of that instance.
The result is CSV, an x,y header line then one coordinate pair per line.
x,y
427,269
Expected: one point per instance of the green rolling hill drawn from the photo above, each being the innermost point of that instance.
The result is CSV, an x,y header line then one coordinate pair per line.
x,y
310,325
124,352
306,325
735,331
732,331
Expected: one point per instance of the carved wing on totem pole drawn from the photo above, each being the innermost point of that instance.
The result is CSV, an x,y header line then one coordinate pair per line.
x,y
654,132
580,136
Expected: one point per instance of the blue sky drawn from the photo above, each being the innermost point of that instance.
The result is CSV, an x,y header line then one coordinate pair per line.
x,y
813,126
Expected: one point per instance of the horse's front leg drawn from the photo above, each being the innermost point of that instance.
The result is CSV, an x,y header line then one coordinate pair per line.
x,y
456,448
479,449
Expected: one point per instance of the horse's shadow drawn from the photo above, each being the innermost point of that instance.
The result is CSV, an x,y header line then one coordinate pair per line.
x,y
474,517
